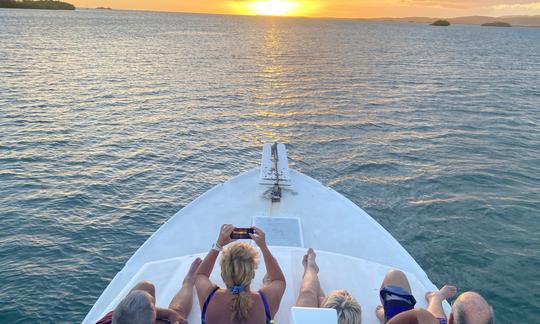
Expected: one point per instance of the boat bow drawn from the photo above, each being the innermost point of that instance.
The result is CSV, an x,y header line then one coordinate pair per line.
x,y
354,251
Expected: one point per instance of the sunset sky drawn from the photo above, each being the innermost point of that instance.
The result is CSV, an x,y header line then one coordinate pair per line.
x,y
330,8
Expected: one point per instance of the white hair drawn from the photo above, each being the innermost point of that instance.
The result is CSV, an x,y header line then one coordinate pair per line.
x,y
462,314
136,308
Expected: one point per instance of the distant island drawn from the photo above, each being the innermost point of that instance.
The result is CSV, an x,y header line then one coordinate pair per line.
x,y
497,24
522,21
42,4
104,8
440,22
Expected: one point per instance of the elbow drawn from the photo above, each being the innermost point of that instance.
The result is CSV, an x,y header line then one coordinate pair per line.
x,y
282,279
281,282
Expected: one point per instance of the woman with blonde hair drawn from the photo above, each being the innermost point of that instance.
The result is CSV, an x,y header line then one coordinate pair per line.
x,y
237,303
311,294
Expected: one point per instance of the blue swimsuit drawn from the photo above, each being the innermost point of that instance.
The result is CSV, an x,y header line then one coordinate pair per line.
x,y
207,301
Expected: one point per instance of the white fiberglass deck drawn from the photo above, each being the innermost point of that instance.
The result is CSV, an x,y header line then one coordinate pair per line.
x,y
354,251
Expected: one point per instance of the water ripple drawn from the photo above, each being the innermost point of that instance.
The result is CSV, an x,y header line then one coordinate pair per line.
x,y
112,121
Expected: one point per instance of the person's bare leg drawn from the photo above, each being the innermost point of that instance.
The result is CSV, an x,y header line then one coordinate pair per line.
x,y
393,277
379,311
146,286
398,278
183,300
321,296
311,287
436,298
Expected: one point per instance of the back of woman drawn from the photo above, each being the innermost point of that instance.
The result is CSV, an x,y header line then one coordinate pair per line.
x,y
236,303
220,305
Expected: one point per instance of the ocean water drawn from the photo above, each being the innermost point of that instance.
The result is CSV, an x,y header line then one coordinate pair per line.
x,y
112,121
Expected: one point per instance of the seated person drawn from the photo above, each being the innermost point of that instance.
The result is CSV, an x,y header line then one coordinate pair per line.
x,y
311,294
398,302
469,307
395,295
237,303
139,306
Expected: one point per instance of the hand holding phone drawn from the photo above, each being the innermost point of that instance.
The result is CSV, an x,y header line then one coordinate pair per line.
x,y
224,237
242,233
258,237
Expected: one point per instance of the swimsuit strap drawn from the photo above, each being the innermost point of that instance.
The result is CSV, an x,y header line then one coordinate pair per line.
x,y
205,306
266,308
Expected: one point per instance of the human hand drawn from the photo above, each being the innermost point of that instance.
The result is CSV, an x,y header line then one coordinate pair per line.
x,y
258,237
225,235
175,318
171,316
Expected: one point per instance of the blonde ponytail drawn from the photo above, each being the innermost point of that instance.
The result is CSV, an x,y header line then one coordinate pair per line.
x,y
240,306
238,265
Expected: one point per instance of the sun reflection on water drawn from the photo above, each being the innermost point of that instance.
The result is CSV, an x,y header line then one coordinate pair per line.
x,y
272,94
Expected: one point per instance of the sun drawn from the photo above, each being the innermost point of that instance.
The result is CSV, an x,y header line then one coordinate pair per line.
x,y
273,7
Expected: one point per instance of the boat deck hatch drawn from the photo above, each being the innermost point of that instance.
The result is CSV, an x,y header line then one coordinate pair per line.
x,y
281,231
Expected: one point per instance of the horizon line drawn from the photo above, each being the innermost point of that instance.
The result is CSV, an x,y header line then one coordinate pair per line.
x,y
304,17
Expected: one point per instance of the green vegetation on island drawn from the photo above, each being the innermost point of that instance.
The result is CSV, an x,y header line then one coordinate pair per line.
x,y
497,24
42,4
441,22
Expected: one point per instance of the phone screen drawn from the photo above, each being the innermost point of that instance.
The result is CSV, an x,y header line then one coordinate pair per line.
x,y
241,233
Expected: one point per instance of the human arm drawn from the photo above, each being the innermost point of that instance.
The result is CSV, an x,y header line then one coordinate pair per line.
x,y
165,315
414,316
203,285
276,285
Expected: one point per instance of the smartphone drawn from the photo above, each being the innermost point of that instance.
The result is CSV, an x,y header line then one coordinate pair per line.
x,y
242,233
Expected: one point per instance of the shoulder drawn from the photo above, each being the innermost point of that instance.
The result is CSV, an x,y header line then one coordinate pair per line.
x,y
274,290
417,315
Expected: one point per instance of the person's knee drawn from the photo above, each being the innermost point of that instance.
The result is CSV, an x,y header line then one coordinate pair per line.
x,y
308,292
396,277
146,286
307,298
396,273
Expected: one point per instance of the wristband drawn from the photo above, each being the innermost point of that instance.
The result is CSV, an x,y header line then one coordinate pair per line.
x,y
217,247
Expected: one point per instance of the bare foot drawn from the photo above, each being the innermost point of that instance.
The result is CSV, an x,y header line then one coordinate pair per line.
x,y
379,311
444,293
309,261
191,275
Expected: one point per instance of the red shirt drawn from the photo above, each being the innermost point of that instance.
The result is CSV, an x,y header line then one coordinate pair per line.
x,y
107,319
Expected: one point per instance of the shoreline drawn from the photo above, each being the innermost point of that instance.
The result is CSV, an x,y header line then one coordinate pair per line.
x,y
39,5
411,20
